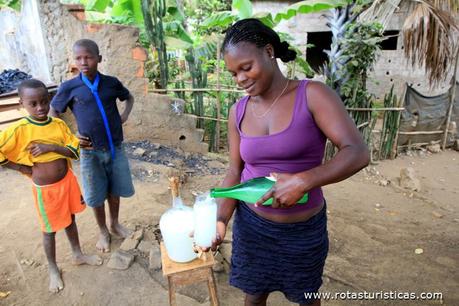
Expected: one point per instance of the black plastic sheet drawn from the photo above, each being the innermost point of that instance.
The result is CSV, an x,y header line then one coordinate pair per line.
x,y
423,113
11,78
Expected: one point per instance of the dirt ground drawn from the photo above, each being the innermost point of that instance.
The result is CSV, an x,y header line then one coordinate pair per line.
x,y
374,231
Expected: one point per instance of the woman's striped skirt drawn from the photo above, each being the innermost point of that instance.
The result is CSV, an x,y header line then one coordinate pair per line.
x,y
269,256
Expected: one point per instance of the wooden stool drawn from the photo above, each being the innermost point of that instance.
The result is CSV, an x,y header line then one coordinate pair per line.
x,y
180,274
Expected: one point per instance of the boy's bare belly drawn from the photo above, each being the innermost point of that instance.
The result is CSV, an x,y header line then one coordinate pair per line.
x,y
50,172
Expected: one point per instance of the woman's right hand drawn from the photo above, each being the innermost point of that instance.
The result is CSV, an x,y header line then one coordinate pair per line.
x,y
221,232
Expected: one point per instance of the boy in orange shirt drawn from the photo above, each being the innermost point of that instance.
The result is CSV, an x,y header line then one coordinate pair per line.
x,y
41,147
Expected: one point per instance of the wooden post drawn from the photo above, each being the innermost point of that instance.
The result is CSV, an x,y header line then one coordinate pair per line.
x,y
217,124
383,134
451,100
393,153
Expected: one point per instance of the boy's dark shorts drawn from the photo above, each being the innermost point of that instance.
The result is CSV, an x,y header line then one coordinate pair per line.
x,y
102,176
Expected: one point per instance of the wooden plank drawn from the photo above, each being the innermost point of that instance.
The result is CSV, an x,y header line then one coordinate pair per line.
x,y
4,126
12,115
172,267
9,101
376,109
421,133
190,277
4,108
194,90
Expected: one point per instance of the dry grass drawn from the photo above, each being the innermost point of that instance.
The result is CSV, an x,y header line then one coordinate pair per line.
x,y
428,32
428,39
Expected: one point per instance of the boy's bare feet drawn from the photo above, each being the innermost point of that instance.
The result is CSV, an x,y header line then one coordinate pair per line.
x,y
55,281
103,244
119,230
92,260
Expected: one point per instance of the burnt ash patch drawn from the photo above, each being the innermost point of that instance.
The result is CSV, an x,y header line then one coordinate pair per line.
x,y
164,155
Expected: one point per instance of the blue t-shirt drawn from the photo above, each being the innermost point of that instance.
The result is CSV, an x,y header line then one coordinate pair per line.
x,y
75,95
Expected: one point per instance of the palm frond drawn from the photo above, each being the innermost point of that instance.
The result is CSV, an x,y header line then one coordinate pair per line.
x,y
380,11
447,5
428,39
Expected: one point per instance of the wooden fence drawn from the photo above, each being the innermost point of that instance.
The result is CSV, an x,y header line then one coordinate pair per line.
x,y
219,89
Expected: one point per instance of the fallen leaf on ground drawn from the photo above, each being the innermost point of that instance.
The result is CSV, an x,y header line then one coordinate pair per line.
x,y
4,294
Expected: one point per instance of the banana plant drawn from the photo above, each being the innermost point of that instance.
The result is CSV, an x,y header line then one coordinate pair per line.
x,y
338,21
307,7
353,52
242,9
108,11
13,4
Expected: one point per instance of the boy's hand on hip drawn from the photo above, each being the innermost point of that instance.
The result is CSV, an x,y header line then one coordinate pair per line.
x,y
26,170
124,117
85,142
37,149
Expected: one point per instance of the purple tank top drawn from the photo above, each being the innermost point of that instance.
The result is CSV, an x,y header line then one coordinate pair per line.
x,y
298,148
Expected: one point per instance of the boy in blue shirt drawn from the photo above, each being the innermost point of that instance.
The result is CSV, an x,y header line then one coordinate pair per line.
x,y
105,172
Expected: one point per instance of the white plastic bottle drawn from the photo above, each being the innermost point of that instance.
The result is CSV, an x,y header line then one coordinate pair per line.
x,y
205,220
176,224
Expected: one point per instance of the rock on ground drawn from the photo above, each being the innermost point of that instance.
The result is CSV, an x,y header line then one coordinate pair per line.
x,y
434,148
129,244
120,260
155,258
408,179
144,247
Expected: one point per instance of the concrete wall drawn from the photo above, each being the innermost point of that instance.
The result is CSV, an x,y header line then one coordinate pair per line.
x,y
21,41
391,66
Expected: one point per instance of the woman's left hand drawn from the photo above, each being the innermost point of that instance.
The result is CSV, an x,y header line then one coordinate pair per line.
x,y
287,191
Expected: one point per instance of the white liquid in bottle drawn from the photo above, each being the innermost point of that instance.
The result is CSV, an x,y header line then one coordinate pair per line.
x,y
176,224
205,220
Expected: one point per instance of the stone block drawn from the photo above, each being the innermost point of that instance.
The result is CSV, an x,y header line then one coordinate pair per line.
x,y
129,244
137,235
408,179
145,247
155,258
434,148
141,72
139,54
92,28
120,260
139,152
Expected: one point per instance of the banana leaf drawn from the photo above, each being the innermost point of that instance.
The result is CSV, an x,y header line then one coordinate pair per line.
x,y
308,6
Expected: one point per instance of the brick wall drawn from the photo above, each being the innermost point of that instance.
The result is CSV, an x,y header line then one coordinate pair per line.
x,y
122,56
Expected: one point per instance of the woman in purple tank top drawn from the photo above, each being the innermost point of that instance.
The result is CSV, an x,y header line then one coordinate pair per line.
x,y
280,128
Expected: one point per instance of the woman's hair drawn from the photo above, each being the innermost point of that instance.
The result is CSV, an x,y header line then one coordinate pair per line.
x,y
254,31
